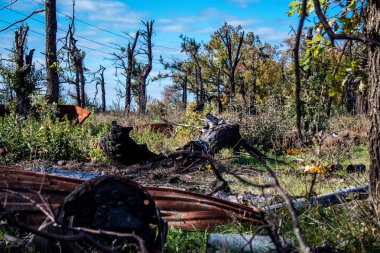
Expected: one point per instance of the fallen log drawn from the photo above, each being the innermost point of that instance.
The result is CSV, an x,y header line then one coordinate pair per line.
x,y
243,243
329,199
220,134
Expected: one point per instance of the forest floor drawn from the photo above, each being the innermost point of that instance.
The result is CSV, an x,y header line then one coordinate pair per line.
x,y
333,226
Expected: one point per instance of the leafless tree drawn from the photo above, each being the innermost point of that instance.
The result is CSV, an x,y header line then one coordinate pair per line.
x,y
52,82
145,68
22,86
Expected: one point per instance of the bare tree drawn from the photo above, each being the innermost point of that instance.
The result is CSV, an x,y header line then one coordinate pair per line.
x,y
22,86
52,83
129,71
145,68
77,57
102,87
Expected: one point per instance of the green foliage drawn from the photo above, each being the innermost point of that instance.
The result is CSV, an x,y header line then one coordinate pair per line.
x,y
156,142
348,228
193,118
46,137
179,241
269,128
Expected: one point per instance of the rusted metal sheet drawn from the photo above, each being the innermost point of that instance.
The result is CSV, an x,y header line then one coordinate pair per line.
x,y
181,209
73,113
191,211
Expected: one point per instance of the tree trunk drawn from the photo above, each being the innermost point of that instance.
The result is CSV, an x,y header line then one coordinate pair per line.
x,y
200,83
52,84
129,71
328,106
102,88
349,93
242,94
148,67
82,84
142,96
373,31
252,99
232,87
219,103
184,94
128,94
22,86
77,88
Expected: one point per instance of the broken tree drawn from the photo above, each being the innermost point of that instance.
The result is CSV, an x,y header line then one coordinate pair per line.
x,y
220,134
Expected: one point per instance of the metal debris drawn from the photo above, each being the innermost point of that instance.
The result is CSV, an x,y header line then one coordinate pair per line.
x,y
181,209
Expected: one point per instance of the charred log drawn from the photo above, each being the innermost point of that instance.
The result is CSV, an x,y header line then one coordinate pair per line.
x,y
120,148
220,134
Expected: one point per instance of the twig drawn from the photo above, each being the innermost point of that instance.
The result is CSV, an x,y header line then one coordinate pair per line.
x,y
22,20
311,187
296,226
32,201
9,5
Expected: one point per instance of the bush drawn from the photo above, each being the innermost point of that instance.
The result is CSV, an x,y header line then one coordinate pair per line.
x,y
271,128
46,137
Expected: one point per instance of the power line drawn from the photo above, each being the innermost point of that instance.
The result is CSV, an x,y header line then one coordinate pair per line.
x,y
102,29
82,46
79,36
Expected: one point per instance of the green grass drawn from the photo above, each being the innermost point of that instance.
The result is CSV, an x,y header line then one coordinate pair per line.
x,y
179,241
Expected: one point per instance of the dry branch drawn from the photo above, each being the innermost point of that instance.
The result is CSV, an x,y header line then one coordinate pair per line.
x,y
22,20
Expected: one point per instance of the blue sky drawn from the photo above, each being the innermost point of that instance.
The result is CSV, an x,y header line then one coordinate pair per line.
x,y
193,18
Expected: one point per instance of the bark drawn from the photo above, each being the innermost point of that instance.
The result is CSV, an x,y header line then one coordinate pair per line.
x,y
52,84
148,67
252,98
82,81
79,73
373,71
129,71
22,87
328,106
242,93
184,93
349,94
77,88
200,83
297,69
219,103
102,88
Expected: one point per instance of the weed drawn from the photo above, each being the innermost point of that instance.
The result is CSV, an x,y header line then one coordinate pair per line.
x,y
182,241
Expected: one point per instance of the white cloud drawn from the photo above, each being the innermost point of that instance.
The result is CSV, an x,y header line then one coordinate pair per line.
x,y
102,10
269,33
171,28
243,22
243,3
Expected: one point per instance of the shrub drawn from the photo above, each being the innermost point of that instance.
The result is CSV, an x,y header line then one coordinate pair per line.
x,y
271,128
46,137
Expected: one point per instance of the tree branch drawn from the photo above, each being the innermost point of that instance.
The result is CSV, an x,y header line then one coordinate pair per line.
x,y
22,20
340,36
